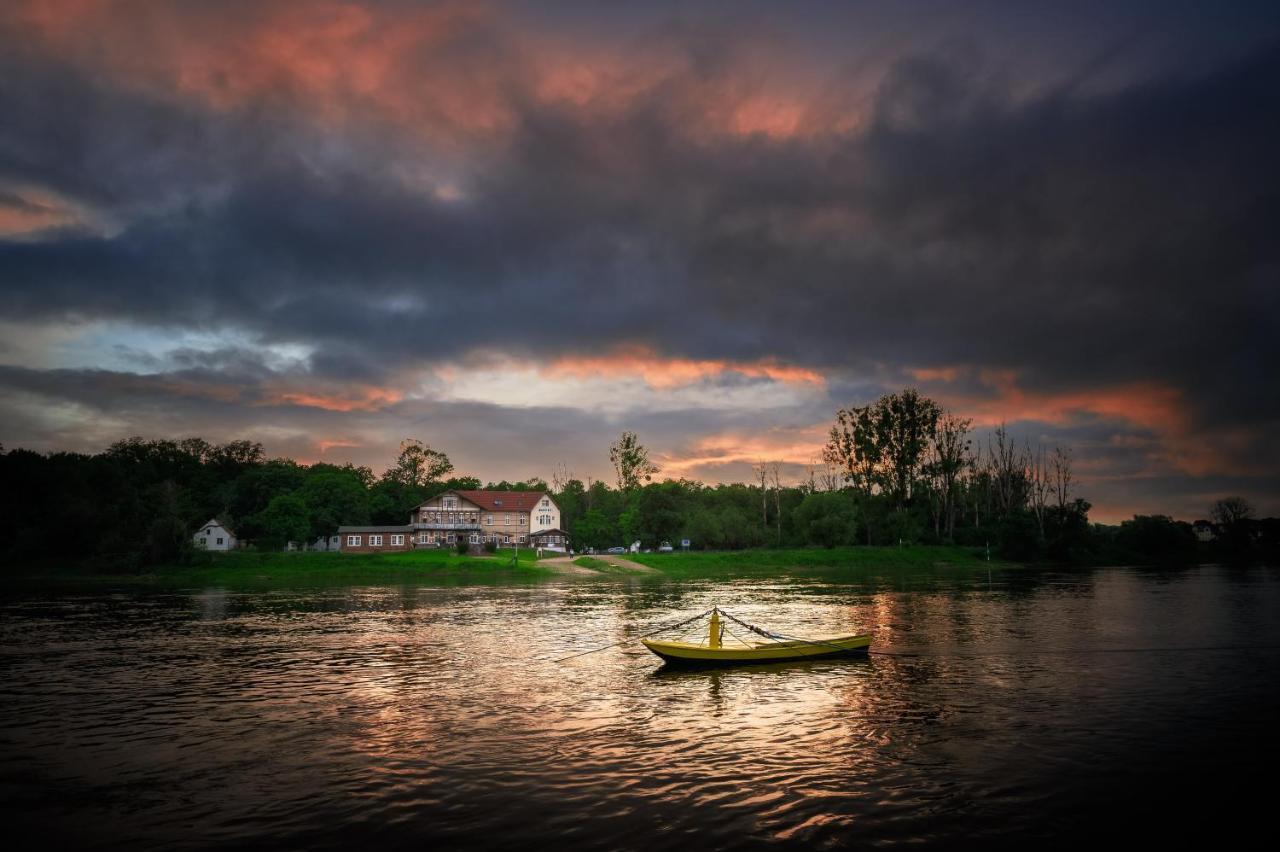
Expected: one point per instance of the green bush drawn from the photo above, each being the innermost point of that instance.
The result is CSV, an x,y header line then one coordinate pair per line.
x,y
490,547
462,546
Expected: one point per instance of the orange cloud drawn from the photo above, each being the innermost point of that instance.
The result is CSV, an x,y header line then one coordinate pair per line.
x,y
326,444
363,399
453,69
1160,409
664,373
795,446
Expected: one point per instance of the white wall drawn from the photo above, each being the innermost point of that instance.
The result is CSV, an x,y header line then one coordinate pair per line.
x,y
207,537
541,511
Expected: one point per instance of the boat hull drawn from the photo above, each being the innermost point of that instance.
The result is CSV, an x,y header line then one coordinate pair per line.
x,y
686,654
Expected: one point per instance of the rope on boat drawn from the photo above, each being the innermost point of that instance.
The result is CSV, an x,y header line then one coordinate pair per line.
x,y
757,630
641,636
777,636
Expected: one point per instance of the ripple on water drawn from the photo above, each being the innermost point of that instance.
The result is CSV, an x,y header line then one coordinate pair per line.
x,y
390,716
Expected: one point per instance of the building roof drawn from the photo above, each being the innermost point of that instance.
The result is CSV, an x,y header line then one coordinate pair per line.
x,y
556,531
500,501
215,521
372,529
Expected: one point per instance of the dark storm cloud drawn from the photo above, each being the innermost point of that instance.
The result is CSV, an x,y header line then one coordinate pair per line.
x,y
1075,234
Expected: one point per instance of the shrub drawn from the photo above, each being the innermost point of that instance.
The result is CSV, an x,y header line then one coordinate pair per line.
x,y
462,546
490,547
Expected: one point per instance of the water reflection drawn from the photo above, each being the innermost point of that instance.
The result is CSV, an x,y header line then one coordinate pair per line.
x,y
411,714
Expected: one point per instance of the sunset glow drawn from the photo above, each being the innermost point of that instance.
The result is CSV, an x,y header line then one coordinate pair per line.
x,y
515,230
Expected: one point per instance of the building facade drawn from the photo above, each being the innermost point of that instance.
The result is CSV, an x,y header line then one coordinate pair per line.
x,y
215,535
375,539
505,518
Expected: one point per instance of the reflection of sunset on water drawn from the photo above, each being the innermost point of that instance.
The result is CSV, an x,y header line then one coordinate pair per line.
x,y
332,717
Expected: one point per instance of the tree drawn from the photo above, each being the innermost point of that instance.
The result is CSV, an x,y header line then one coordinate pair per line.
x,y
1234,517
631,462
334,496
905,422
1060,474
1039,484
594,530
1008,471
418,464
659,515
1231,511
284,520
853,448
761,471
827,518
775,476
947,458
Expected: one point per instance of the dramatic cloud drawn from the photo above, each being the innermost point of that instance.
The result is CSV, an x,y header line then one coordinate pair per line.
x,y
350,222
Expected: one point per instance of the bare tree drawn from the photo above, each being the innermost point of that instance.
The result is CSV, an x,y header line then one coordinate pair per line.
x,y
1008,468
1230,511
1039,483
947,457
560,477
1060,472
822,476
761,470
775,475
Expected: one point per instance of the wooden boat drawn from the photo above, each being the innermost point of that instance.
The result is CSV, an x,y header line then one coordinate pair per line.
x,y
713,651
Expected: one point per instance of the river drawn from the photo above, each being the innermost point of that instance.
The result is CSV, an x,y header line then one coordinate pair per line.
x,y
1050,708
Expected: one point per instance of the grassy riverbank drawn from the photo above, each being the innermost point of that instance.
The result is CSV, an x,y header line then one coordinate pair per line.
x,y
816,560
252,568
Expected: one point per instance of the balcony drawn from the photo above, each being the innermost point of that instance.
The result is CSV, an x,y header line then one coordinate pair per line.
x,y
446,525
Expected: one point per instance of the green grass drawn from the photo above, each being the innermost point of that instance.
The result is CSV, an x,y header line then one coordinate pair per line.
x,y
251,568
920,558
602,565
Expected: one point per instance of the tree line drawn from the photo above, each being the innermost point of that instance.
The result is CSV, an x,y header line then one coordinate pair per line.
x,y
898,471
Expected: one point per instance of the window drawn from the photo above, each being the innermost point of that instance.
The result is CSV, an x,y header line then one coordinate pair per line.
x,y
524,519
219,541
546,503
375,541
353,541
506,539
506,520
475,538
521,539
488,520
422,538
451,502
397,540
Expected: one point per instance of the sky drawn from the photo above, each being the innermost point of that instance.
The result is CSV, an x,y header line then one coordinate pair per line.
x,y
513,230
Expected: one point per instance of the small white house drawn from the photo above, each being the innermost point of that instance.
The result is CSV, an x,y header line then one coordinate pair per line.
x,y
215,535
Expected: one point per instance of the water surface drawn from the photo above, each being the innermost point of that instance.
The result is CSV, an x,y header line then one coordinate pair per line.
x,y
1033,707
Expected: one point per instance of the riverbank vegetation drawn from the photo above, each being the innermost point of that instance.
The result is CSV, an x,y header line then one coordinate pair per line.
x,y
898,473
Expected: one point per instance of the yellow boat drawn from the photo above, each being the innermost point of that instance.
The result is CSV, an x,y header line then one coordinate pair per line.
x,y
713,651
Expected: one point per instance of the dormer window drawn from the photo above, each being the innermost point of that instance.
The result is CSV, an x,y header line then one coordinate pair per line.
x,y
497,502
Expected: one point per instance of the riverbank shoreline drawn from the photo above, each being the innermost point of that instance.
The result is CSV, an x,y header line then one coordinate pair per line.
x,y
307,568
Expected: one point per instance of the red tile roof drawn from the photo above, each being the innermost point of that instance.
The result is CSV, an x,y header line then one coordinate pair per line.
x,y
504,501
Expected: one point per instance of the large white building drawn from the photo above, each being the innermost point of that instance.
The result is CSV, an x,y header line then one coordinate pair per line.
x,y
506,518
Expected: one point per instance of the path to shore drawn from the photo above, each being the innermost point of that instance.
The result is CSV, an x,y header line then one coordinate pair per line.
x,y
564,564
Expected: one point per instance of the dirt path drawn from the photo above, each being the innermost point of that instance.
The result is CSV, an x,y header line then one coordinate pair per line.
x,y
564,564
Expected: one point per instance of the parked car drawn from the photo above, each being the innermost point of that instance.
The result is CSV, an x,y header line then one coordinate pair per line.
x,y
665,547
617,550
